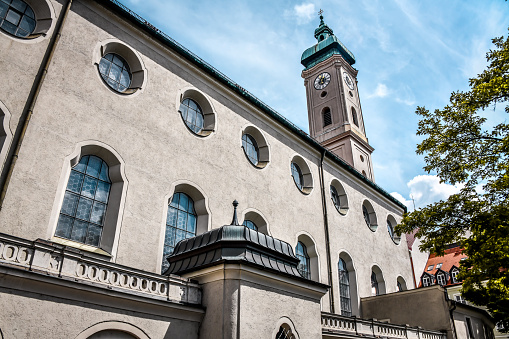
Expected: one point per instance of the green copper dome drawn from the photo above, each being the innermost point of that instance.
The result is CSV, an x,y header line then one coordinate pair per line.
x,y
328,45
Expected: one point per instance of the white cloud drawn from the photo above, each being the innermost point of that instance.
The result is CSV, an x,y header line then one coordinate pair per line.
x,y
408,102
425,190
380,91
304,12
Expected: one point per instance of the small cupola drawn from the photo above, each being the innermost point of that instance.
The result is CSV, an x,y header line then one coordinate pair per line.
x,y
323,31
328,44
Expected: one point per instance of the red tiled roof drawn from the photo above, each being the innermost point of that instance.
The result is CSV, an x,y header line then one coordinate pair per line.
x,y
452,257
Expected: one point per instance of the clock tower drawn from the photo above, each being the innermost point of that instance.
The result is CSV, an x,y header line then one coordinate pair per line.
x,y
334,108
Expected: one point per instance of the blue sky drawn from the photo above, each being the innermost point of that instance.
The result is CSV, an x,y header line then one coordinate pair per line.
x,y
409,53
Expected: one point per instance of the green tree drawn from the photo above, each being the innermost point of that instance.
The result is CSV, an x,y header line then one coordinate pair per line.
x,y
462,149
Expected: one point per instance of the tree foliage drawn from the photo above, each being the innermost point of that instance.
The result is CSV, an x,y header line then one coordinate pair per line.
x,y
462,149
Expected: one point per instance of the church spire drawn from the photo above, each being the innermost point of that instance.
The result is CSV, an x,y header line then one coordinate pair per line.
x,y
328,44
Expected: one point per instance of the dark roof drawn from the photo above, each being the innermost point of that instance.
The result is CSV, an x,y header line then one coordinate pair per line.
x,y
233,243
162,37
323,50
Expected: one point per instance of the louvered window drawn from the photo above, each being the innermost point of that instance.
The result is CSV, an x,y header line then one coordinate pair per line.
x,y
327,118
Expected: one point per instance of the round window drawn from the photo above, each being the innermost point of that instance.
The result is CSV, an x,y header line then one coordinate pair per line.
x,y
366,216
390,229
17,18
335,197
297,175
250,148
192,114
115,72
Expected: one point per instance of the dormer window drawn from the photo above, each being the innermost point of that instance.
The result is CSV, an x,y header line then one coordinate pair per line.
x,y
439,265
441,279
426,281
430,267
454,275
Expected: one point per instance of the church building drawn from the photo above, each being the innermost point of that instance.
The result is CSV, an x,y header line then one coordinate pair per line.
x,y
144,194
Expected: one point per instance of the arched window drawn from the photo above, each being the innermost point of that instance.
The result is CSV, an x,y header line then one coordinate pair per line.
x,y
250,224
302,254
401,284
297,175
374,284
17,18
192,115
85,202
180,224
250,148
344,289
354,117
285,332
327,118
116,72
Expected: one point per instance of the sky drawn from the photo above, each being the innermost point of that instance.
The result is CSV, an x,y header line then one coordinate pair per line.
x,y
408,53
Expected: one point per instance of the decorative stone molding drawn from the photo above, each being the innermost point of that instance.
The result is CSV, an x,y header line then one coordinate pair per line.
x,y
338,324
61,262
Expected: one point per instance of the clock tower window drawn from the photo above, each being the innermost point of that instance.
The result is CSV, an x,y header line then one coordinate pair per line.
x,y
327,118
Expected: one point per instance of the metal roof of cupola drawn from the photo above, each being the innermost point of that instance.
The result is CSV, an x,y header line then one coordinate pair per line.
x,y
328,45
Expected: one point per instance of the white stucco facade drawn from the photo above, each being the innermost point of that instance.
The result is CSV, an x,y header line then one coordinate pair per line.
x,y
152,154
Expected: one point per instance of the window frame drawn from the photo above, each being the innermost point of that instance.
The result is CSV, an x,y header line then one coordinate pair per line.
x,y
369,215
340,202
454,274
326,117
355,117
441,275
81,196
250,146
44,21
250,224
262,146
305,272
124,66
391,223
307,178
375,288
113,219
208,111
5,133
344,288
177,210
131,57
198,112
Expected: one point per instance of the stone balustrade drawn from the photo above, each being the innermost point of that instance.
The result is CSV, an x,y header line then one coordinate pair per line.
x,y
334,324
70,264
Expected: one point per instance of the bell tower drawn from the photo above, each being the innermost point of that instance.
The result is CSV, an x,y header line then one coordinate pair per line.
x,y
334,108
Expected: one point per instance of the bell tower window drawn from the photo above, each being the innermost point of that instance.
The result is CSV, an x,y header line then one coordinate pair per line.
x,y
327,118
354,117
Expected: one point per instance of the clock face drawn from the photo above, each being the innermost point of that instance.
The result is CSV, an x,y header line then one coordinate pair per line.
x,y
322,80
348,80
